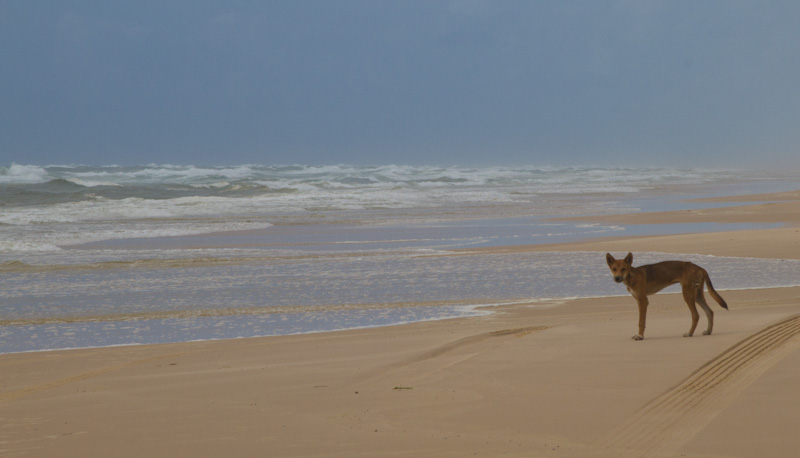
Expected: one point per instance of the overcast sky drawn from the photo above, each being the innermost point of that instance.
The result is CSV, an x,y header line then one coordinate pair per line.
x,y
466,82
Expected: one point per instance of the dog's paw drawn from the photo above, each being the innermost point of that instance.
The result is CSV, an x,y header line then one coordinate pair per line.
x,y
706,333
637,337
687,334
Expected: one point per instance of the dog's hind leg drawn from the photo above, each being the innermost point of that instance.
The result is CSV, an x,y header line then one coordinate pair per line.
x,y
689,296
700,299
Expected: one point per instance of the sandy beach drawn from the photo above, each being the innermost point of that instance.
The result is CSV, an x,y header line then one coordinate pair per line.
x,y
544,379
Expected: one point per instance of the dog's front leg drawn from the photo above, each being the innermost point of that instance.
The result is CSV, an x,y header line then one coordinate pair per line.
x,y
642,302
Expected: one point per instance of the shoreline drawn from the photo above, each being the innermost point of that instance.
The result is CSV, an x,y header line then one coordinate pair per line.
x,y
459,286
779,242
523,381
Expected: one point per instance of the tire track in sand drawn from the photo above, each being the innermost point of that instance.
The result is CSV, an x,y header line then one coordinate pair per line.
x,y
672,419
449,353
471,340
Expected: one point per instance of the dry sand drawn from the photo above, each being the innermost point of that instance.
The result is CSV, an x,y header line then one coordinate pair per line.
x,y
526,381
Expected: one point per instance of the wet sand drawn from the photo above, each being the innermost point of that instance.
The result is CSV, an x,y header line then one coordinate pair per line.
x,y
544,379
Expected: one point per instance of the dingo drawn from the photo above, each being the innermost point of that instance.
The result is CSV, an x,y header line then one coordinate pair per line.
x,y
649,279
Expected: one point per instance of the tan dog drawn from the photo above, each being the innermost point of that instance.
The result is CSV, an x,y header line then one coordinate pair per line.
x,y
649,279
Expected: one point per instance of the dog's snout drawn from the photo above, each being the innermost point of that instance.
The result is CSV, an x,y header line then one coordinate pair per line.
x,y
618,279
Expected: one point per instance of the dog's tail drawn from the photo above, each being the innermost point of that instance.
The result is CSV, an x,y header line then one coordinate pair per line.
x,y
713,292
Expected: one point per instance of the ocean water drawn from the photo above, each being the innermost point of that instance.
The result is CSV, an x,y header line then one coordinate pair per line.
x,y
115,255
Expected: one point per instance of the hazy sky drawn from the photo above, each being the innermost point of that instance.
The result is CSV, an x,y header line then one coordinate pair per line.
x,y
465,82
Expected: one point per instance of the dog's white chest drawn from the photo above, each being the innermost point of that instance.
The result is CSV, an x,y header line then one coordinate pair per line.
x,y
630,290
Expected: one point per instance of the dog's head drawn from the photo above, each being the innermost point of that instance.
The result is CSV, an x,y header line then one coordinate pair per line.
x,y
620,268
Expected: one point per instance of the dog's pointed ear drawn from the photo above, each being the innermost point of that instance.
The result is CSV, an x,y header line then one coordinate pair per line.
x,y
629,259
610,259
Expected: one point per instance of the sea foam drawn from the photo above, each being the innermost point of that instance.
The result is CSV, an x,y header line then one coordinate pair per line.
x,y
72,204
